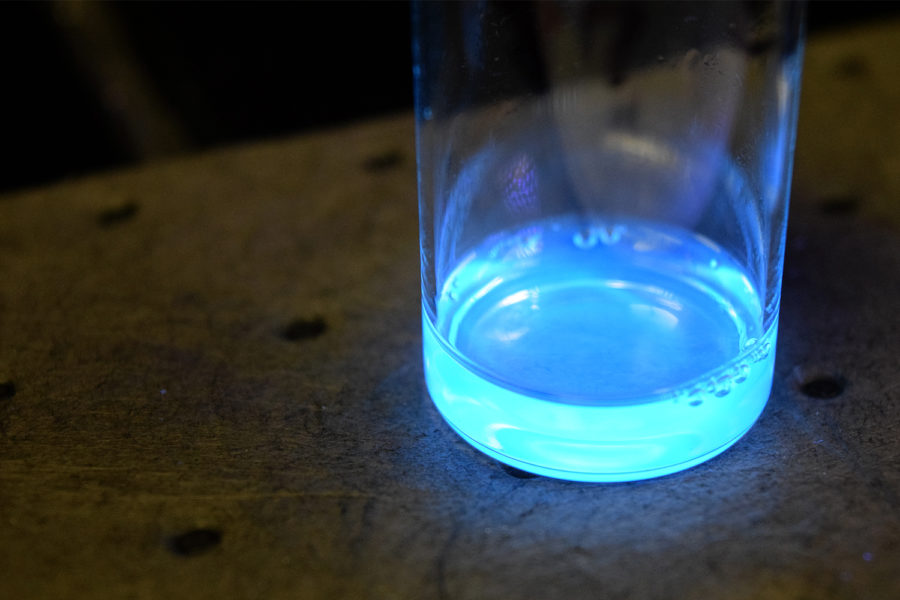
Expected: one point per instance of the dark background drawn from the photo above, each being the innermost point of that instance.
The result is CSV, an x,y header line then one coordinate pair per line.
x,y
89,85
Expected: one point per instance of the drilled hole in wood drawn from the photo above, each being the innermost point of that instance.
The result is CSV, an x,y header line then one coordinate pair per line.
x,y
119,214
839,205
384,161
823,387
851,66
195,542
304,329
7,390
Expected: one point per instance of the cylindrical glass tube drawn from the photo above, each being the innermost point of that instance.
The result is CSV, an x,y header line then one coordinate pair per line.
x,y
603,192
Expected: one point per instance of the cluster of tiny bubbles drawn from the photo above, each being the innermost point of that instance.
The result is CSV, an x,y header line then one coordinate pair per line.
x,y
759,352
588,237
720,385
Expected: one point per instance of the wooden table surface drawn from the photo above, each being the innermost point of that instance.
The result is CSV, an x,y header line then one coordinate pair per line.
x,y
210,386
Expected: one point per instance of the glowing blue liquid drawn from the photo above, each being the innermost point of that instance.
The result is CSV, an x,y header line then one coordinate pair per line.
x,y
598,351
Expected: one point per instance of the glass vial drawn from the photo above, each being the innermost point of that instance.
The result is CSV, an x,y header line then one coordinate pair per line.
x,y
603,191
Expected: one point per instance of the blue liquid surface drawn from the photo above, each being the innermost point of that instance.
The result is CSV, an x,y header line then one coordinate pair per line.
x,y
599,351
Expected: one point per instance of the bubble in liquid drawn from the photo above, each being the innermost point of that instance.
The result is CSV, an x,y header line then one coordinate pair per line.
x,y
761,352
723,386
741,373
695,396
750,343
586,238
713,264
610,234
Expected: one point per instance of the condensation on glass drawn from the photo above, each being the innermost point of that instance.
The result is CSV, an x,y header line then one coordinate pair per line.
x,y
603,196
